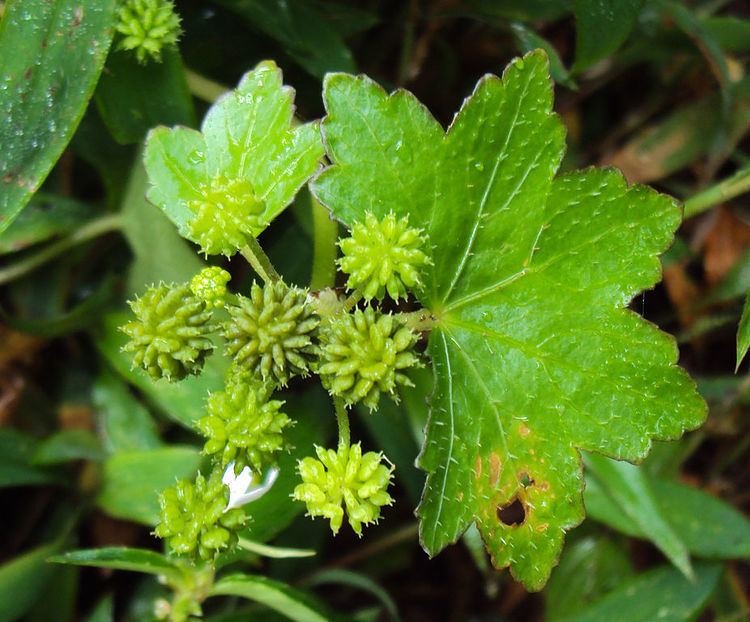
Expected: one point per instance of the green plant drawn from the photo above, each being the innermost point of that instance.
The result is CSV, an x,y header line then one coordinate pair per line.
x,y
505,273
462,305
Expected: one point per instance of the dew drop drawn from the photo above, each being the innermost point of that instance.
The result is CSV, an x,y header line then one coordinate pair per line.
x,y
196,157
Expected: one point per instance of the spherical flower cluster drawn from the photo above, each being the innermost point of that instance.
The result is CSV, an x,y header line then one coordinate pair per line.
x,y
169,335
363,354
271,332
344,478
210,285
147,27
194,519
225,215
243,426
383,255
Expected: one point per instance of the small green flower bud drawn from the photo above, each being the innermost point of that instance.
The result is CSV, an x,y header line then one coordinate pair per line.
x,y
271,332
363,354
194,519
210,285
225,216
383,255
169,335
147,26
344,478
243,426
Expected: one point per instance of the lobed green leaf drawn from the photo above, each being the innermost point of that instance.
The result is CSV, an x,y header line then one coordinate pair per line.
x,y
248,134
534,354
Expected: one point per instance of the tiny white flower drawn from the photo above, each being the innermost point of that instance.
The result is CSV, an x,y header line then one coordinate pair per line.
x,y
245,487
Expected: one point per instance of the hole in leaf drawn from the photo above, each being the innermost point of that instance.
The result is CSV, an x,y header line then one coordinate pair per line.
x,y
512,514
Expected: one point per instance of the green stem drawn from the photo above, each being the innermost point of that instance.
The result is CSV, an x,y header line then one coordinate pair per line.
x,y
93,229
325,231
204,88
418,321
733,186
260,262
352,300
342,418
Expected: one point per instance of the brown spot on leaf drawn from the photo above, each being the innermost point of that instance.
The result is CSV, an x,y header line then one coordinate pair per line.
x,y
478,467
27,73
495,465
523,430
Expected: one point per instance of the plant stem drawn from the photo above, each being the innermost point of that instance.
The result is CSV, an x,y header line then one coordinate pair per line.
x,y
342,418
733,186
325,231
93,229
352,300
418,321
204,88
260,262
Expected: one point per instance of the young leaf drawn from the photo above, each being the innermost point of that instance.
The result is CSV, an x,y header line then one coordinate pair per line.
x,y
121,558
534,354
278,596
51,54
247,136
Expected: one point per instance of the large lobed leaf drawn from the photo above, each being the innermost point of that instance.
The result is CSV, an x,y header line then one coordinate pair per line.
x,y
247,134
534,354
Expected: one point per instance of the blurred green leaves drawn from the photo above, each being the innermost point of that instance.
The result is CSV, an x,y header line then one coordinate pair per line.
x,y
51,54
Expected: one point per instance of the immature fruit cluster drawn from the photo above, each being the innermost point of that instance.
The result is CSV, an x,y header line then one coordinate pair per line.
x,y
243,426
271,333
193,519
344,478
147,27
383,255
364,354
169,335
226,214
210,285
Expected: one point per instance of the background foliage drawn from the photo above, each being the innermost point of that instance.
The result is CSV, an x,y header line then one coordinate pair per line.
x,y
655,87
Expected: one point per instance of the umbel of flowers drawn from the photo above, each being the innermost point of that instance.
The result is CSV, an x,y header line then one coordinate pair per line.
x,y
272,335
272,332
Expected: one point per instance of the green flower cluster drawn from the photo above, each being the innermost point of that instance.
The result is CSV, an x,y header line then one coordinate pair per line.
x,y
194,519
344,478
271,333
225,215
147,27
210,285
383,255
364,354
275,333
169,335
243,425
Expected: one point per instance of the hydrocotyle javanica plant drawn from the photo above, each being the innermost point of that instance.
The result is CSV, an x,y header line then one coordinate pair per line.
x,y
516,277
